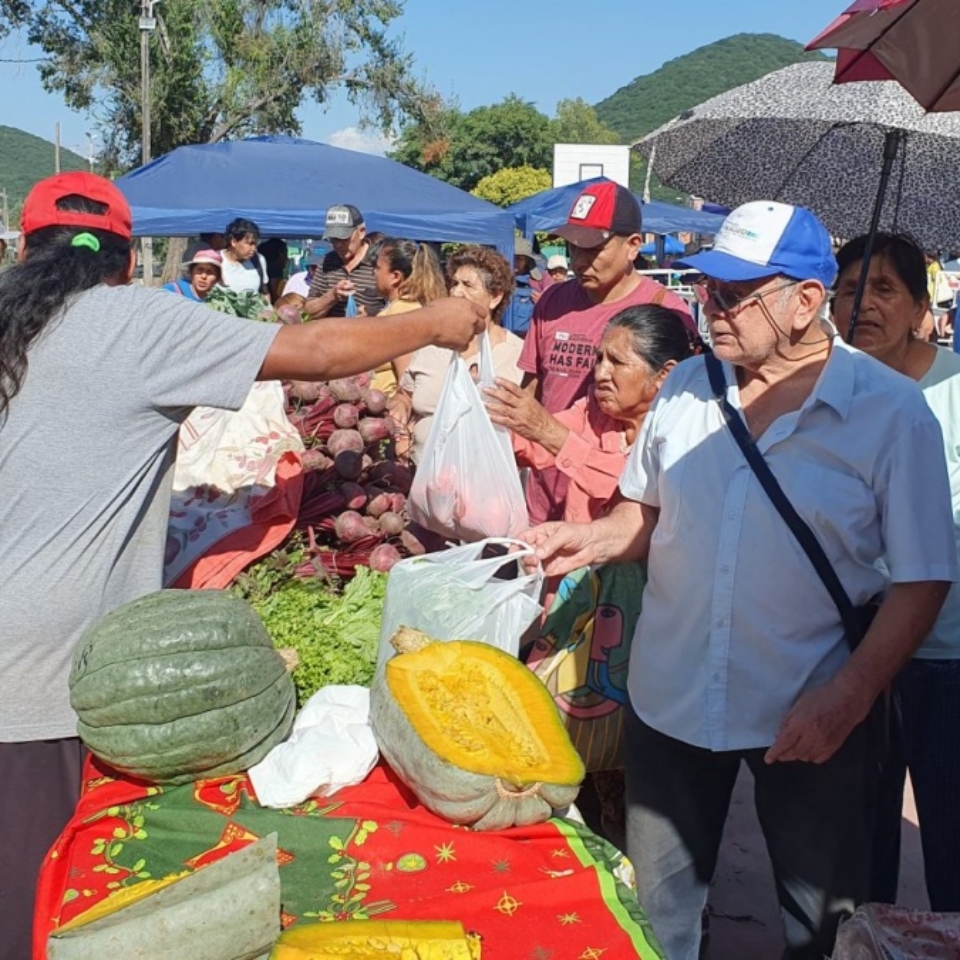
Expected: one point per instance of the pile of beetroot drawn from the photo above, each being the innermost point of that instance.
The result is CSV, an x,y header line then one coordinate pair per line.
x,y
354,505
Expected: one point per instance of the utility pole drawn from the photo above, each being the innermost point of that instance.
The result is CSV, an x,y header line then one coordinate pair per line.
x,y
5,222
56,149
148,24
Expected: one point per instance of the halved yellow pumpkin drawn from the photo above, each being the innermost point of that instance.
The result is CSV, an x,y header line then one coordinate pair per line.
x,y
473,732
363,939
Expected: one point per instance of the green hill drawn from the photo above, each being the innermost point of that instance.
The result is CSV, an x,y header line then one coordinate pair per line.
x,y
25,159
649,101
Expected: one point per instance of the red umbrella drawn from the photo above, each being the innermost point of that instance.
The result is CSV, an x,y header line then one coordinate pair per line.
x,y
911,41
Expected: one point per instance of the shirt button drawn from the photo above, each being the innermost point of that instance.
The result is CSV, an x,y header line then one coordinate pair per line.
x,y
724,569
717,676
721,622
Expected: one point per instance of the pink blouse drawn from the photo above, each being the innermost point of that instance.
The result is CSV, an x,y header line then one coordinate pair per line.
x,y
592,456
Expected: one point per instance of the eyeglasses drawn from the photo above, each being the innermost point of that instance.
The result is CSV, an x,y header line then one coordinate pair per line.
x,y
705,289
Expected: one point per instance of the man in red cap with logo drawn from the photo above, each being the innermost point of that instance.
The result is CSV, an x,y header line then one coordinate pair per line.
x,y
603,232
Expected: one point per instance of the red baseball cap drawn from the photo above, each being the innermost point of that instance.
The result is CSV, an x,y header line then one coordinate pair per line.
x,y
600,212
40,208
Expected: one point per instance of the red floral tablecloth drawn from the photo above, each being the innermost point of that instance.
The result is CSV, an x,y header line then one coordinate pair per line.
x,y
537,893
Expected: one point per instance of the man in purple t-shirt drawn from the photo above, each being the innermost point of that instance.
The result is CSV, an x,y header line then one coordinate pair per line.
x,y
603,232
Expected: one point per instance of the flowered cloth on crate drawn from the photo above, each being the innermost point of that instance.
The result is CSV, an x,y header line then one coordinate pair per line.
x,y
236,489
544,892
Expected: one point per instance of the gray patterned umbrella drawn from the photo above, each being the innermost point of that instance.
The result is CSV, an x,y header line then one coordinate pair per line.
x,y
795,136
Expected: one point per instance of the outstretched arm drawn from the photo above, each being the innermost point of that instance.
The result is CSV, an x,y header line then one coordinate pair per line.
x,y
335,347
623,534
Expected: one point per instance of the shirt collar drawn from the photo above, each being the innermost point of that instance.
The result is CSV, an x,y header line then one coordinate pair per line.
x,y
835,385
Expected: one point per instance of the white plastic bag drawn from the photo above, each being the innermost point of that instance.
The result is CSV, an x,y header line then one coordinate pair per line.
x,y
467,486
456,595
330,747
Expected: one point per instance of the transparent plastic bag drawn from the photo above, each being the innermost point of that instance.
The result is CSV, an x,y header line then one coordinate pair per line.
x,y
467,486
879,931
456,595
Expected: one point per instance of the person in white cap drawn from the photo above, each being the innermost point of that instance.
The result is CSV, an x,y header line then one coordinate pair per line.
x,y
557,268
741,654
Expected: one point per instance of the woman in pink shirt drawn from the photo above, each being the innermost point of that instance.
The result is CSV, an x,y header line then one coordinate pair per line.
x,y
590,441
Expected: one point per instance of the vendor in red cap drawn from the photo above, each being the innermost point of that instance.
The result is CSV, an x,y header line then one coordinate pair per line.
x,y
743,656
603,231
96,376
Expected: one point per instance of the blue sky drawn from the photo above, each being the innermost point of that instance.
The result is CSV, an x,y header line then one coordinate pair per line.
x,y
480,52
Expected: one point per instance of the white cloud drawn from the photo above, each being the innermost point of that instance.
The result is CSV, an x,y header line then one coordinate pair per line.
x,y
365,141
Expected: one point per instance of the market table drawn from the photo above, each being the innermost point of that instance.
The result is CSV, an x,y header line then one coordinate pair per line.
x,y
546,892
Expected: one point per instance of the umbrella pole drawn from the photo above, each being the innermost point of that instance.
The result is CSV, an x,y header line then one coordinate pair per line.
x,y
891,146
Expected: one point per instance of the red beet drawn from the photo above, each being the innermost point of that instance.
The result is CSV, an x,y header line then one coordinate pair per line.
x,y
349,464
398,502
375,429
342,441
347,390
411,544
375,401
392,473
315,460
350,527
364,379
346,416
289,314
392,524
379,503
354,494
383,557
306,390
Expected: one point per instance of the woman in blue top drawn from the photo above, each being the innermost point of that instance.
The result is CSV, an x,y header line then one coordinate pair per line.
x,y
203,274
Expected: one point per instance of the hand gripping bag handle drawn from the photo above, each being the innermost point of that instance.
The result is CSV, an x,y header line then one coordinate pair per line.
x,y
481,571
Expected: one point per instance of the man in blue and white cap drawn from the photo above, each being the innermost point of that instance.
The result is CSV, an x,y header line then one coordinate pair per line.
x,y
740,654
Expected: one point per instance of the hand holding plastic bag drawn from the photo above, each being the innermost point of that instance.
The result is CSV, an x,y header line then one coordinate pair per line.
x,y
467,486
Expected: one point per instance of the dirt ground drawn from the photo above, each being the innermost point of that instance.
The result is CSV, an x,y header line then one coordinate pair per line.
x,y
745,921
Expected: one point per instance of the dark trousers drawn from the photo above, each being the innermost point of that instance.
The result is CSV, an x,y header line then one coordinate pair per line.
x,y
813,821
39,788
926,741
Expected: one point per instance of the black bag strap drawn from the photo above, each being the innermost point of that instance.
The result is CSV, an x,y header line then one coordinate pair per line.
x,y
264,288
798,526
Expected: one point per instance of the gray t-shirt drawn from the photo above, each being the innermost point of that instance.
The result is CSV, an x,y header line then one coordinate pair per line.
x,y
86,458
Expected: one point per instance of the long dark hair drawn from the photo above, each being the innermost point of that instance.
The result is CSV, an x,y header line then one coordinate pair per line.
x,y
418,265
658,334
33,293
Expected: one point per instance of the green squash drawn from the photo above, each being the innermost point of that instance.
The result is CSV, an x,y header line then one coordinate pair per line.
x,y
179,685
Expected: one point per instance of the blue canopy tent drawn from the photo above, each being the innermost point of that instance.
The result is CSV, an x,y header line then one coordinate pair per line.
x,y
285,185
549,208
671,245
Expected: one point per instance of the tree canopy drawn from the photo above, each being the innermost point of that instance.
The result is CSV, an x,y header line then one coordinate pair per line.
x,y
220,69
512,184
464,148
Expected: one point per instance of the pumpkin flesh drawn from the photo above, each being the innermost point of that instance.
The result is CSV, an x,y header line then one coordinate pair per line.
x,y
477,707
369,939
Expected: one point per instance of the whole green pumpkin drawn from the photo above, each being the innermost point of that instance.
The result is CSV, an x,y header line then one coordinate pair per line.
x,y
179,685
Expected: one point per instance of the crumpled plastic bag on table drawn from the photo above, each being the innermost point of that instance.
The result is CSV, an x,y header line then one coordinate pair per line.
x,y
331,746
879,931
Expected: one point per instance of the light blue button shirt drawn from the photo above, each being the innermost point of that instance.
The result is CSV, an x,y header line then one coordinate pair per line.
x,y
736,624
